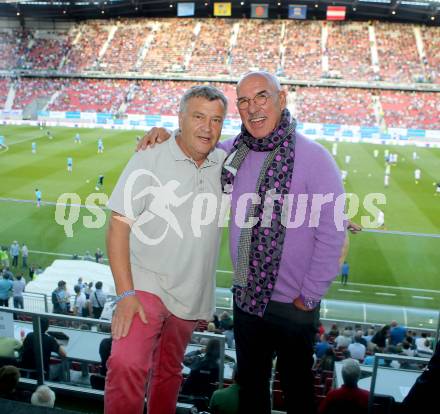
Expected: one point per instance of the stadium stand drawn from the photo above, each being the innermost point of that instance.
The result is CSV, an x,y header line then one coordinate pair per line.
x,y
125,46
302,55
335,106
399,60
91,95
431,41
257,47
211,48
162,97
345,106
171,41
349,52
30,89
46,50
4,88
9,42
85,43
415,109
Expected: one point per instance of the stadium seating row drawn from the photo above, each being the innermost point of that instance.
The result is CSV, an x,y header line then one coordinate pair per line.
x,y
347,106
212,47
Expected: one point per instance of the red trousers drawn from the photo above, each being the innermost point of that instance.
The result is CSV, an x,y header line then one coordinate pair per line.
x,y
148,361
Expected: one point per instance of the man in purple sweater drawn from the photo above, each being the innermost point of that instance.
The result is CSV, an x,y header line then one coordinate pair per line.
x,y
286,234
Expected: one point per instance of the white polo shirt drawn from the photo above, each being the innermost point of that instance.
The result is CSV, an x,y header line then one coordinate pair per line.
x,y
173,254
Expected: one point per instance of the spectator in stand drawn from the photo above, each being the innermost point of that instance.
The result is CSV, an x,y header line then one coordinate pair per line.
x,y
88,290
5,289
420,341
424,349
321,328
369,335
328,361
380,339
31,272
50,345
105,349
97,301
79,304
322,346
334,331
24,255
99,256
397,333
216,321
43,396
88,256
59,298
343,340
424,393
225,401
204,372
227,326
18,287
349,398
4,257
9,378
14,251
357,349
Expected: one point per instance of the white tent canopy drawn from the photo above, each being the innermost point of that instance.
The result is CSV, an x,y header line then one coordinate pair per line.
x,y
70,271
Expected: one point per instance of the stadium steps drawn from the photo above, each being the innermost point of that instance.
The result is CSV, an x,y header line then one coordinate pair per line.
x,y
146,46
324,38
105,46
188,55
51,100
373,50
421,51
31,111
378,112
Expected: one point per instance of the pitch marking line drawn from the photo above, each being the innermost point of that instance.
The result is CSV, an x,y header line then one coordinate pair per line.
x,y
395,287
384,294
423,297
349,290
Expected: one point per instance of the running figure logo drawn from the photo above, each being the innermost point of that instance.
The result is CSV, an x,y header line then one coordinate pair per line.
x,y
164,197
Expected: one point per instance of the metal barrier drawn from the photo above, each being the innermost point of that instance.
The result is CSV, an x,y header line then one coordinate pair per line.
x,y
390,357
33,302
71,323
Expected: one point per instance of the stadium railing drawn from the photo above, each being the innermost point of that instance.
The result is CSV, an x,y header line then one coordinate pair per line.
x,y
70,324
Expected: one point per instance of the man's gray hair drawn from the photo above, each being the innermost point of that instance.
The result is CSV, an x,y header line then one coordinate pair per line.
x,y
207,92
43,397
351,372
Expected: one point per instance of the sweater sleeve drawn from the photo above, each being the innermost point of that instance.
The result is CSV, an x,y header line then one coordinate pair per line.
x,y
324,184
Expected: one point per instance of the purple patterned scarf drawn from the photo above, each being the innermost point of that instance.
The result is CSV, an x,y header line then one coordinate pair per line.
x,y
260,247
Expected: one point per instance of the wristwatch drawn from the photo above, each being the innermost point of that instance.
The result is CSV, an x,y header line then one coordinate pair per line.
x,y
308,302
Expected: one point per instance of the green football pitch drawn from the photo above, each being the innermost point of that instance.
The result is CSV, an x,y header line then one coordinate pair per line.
x,y
399,265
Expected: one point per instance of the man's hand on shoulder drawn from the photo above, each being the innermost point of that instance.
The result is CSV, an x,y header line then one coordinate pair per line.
x,y
153,136
126,310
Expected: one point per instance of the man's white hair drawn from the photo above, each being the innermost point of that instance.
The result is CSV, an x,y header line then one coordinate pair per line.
x,y
43,397
269,76
351,372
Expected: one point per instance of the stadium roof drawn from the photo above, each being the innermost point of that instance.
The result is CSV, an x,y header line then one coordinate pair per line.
x,y
420,11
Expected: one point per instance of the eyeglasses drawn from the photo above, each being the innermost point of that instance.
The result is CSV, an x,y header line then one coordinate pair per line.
x,y
259,99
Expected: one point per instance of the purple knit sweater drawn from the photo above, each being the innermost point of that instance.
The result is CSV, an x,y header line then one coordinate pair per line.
x,y
310,256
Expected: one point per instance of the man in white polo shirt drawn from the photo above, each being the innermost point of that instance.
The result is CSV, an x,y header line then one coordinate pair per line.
x,y
163,253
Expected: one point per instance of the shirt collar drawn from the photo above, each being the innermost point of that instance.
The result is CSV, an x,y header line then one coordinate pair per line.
x,y
179,155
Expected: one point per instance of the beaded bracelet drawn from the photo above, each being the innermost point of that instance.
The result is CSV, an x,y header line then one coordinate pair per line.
x,y
124,295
